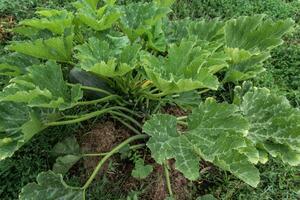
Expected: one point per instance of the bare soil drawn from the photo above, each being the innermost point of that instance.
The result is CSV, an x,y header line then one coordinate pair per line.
x,y
102,138
6,23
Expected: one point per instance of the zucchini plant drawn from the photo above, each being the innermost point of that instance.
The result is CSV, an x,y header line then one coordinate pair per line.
x,y
135,59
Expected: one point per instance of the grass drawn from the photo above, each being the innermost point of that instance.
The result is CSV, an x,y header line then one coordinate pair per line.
x,y
279,181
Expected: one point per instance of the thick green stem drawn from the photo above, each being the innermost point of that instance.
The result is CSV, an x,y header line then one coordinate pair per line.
x,y
133,147
89,116
82,118
126,117
91,88
129,111
112,152
167,175
104,99
127,125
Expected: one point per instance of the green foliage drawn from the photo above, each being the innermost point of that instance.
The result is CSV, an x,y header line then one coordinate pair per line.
x,y
276,9
141,170
36,88
188,66
18,125
68,152
103,59
148,59
54,185
233,138
98,19
25,8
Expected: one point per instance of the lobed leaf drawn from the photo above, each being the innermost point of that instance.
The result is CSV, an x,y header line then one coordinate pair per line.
x,y
233,137
188,66
36,88
18,124
56,21
275,124
67,146
104,59
255,34
249,41
55,48
15,64
138,18
98,19
166,143
51,186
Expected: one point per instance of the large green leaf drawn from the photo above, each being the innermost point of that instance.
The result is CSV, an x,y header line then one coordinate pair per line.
x,y
166,143
248,43
15,64
104,59
56,21
139,18
203,30
244,65
255,34
55,48
189,66
50,186
216,134
42,86
18,124
233,137
98,19
275,124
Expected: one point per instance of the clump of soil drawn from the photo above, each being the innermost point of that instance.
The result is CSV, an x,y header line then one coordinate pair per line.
x,y
174,110
6,23
102,138
158,187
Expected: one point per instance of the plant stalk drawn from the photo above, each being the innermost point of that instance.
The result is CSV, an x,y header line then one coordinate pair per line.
x,y
104,99
81,118
167,175
91,88
133,147
127,125
112,152
126,117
